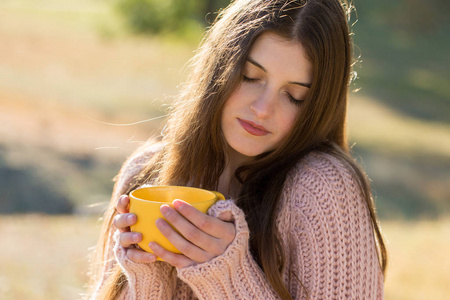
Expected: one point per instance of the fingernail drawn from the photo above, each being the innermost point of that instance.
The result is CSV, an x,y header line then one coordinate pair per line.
x,y
160,223
136,237
177,204
165,209
130,218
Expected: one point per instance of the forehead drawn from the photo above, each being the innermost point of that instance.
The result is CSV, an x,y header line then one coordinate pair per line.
x,y
278,54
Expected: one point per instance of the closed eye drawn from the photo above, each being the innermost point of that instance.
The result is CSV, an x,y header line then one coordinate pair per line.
x,y
248,79
294,100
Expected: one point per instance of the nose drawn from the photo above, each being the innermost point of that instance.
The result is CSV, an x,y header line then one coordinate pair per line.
x,y
262,106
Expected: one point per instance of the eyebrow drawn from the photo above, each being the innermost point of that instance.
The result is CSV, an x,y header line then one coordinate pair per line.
x,y
256,64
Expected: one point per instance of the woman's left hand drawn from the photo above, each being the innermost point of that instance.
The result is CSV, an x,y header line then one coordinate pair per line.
x,y
204,237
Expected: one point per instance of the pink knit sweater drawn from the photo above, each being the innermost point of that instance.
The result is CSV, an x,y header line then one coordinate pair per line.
x,y
325,228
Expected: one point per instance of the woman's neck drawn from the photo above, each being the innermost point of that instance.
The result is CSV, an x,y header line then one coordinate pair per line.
x,y
229,186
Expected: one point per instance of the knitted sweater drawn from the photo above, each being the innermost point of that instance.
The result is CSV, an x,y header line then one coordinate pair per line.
x,y
325,228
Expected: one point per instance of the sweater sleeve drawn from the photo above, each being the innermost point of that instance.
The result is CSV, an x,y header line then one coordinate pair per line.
x,y
333,253
234,274
145,280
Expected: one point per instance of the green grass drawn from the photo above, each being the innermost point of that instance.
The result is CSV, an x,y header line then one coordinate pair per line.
x,y
408,159
376,125
403,47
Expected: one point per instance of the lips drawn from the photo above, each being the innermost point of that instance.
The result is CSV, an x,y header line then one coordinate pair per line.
x,y
252,128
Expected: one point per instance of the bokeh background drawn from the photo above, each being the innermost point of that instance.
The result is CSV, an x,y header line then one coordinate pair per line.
x,y
83,83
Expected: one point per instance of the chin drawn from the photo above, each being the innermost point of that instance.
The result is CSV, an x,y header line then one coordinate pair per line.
x,y
250,152
247,149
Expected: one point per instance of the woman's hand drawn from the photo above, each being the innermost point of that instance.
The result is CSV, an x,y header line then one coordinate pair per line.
x,y
204,237
122,221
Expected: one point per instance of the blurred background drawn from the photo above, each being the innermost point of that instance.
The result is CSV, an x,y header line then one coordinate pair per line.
x,y
83,83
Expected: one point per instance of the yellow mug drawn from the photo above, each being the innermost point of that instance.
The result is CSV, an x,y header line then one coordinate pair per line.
x,y
145,203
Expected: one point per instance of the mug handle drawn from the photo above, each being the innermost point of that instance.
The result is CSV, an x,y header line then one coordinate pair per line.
x,y
218,195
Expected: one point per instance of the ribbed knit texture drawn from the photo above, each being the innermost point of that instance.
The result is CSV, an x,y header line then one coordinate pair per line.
x,y
328,241
159,276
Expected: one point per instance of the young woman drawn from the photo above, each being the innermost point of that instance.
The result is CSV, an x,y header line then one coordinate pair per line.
x,y
262,120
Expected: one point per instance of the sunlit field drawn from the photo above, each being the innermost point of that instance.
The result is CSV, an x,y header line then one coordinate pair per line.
x,y
46,257
419,266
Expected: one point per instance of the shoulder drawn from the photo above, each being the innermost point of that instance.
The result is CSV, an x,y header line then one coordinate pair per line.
x,y
134,164
322,182
320,172
321,165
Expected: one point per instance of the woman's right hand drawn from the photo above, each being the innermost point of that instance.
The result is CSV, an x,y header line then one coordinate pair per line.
x,y
127,239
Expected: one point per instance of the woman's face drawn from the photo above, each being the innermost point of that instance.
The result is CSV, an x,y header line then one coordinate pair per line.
x,y
262,110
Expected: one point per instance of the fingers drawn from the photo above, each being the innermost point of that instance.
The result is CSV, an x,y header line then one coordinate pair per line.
x,y
189,231
123,221
126,239
176,260
193,242
226,216
139,256
210,225
122,204
190,250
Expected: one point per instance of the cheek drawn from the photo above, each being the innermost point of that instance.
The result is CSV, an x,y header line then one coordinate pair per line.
x,y
234,103
229,110
226,115
287,120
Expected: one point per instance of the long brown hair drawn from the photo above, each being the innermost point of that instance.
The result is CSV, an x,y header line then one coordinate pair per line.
x,y
193,152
